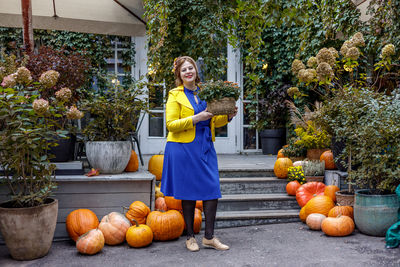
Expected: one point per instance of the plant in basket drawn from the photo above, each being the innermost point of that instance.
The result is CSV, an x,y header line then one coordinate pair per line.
x,y
220,96
314,170
29,126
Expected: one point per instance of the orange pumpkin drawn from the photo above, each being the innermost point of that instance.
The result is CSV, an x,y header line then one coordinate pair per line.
x,y
80,221
319,204
199,205
330,191
341,210
314,221
327,156
166,225
302,214
133,164
90,242
138,211
197,221
309,190
281,167
160,204
139,235
339,226
114,227
156,166
173,204
292,187
280,153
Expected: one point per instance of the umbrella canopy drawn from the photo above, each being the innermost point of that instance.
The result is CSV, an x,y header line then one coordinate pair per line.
x,y
122,17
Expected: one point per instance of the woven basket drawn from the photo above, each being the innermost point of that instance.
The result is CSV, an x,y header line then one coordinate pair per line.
x,y
223,106
344,199
315,179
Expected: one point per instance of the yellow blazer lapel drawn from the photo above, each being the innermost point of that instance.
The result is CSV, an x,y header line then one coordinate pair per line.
x,y
182,99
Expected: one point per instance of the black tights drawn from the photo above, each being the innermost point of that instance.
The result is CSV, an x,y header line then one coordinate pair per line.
x,y
210,210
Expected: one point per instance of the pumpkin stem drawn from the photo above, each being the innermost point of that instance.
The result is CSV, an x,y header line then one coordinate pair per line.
x,y
124,209
134,221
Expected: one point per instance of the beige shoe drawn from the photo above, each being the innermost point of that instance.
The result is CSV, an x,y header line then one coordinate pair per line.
x,y
191,244
214,243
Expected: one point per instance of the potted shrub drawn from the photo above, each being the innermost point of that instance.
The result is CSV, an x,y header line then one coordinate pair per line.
x,y
28,127
114,115
269,117
314,170
221,96
294,150
314,139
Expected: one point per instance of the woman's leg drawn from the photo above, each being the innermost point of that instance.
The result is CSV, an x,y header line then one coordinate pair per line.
x,y
188,207
210,210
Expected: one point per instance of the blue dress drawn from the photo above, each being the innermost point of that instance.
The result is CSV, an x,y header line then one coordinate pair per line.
x,y
190,170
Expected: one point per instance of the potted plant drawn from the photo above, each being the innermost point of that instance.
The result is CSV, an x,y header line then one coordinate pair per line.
x,y
269,116
221,96
114,115
314,170
294,150
28,127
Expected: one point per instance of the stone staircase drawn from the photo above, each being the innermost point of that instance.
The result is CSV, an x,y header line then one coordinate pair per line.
x,y
254,196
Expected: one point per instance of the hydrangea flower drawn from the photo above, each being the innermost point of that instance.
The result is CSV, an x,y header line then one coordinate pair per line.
x,y
324,72
358,39
388,51
40,105
353,53
23,75
346,45
49,78
297,65
307,75
9,81
334,52
324,55
64,94
74,114
292,91
312,62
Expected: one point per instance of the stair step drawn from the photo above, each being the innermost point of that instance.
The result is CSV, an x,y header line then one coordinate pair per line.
x,y
248,202
252,185
256,217
241,172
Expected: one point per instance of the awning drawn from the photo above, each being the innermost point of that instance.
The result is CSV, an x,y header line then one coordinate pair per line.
x,y
89,16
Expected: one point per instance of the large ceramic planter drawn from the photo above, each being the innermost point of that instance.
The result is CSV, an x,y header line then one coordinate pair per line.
x,y
272,140
28,232
109,157
374,214
65,149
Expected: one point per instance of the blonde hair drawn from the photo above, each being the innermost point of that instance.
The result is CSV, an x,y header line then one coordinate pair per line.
x,y
178,65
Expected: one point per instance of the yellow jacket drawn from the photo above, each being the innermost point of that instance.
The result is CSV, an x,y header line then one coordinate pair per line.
x,y
179,118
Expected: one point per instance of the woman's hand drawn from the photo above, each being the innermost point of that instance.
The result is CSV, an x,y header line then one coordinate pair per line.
x,y
230,116
202,116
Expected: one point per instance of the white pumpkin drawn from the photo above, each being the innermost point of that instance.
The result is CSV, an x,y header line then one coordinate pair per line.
x,y
314,221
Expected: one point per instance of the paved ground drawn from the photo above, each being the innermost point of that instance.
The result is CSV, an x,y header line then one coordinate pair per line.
x,y
290,244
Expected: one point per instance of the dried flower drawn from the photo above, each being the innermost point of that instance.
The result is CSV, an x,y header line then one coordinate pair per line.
x,y
388,51
312,62
49,78
334,52
346,45
293,91
23,75
307,75
64,94
9,81
324,55
353,53
324,72
358,39
40,105
297,65
74,114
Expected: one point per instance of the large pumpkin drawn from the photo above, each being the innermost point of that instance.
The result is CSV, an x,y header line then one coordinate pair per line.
x,y
80,221
114,227
133,164
302,214
314,221
327,156
173,204
156,166
197,221
292,187
138,211
139,235
338,226
166,225
309,190
280,154
160,204
319,204
281,167
330,191
341,210
90,242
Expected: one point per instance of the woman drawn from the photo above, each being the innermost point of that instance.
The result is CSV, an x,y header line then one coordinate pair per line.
x,y
190,170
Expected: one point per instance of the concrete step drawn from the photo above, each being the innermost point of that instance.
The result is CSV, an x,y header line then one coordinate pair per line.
x,y
252,185
245,172
226,219
250,202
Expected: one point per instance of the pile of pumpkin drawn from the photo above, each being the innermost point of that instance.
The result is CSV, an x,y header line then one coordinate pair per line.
x,y
317,201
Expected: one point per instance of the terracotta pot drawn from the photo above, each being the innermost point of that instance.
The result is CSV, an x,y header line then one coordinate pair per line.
x,y
28,232
315,154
